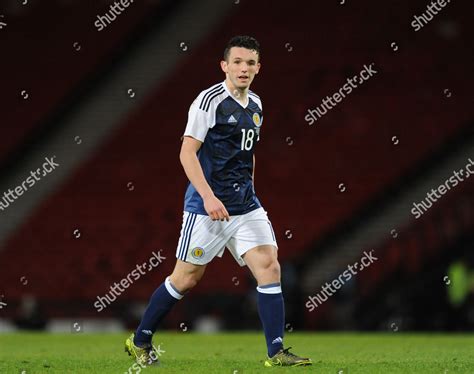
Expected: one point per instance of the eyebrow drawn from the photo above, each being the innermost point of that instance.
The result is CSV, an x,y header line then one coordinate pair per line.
x,y
240,58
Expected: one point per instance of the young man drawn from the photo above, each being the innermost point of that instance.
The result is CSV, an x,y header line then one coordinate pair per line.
x,y
221,209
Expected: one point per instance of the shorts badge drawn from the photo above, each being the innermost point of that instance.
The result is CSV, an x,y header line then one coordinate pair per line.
x,y
197,252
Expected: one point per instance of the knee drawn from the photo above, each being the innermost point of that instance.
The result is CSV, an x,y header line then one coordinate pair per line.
x,y
191,280
185,282
272,267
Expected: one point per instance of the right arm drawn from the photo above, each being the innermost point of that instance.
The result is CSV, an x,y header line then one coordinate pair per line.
x,y
192,167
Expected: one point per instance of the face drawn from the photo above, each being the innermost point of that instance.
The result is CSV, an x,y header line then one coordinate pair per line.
x,y
241,67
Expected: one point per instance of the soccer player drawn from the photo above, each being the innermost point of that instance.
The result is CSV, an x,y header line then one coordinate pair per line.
x,y
220,206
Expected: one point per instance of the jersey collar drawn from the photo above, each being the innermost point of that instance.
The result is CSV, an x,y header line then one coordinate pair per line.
x,y
232,96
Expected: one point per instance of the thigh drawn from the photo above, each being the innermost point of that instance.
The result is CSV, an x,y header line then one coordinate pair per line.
x,y
260,257
185,268
254,231
263,263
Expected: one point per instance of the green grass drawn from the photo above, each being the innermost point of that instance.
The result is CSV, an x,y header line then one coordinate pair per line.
x,y
223,353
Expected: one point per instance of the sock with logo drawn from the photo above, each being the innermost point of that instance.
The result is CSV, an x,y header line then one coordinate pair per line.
x,y
161,302
271,309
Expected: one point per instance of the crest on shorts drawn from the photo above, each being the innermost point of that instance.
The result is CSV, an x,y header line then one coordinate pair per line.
x,y
256,119
197,252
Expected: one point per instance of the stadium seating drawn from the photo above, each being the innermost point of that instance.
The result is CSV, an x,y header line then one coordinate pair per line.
x,y
63,52
421,242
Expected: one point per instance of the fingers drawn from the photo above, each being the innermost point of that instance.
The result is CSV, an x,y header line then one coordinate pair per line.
x,y
223,214
220,214
214,214
216,210
226,214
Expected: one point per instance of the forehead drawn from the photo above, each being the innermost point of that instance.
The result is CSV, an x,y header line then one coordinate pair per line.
x,y
243,53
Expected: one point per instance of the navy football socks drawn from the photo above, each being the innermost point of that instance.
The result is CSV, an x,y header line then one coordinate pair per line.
x,y
161,302
271,309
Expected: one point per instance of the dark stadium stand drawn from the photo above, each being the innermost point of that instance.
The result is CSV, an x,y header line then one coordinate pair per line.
x,y
422,242
415,264
51,73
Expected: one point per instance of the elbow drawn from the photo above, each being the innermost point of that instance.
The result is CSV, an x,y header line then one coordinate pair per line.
x,y
184,156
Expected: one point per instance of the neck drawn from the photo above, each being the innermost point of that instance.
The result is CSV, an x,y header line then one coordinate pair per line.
x,y
239,93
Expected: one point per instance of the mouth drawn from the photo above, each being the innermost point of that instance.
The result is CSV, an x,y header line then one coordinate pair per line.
x,y
243,77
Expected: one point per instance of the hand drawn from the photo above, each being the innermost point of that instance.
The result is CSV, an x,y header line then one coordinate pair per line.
x,y
215,209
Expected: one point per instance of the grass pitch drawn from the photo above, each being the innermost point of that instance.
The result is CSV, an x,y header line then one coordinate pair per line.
x,y
240,353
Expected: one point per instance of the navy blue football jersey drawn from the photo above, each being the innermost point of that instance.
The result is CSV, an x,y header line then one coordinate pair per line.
x,y
229,131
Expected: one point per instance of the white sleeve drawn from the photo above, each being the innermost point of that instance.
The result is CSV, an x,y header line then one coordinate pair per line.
x,y
199,122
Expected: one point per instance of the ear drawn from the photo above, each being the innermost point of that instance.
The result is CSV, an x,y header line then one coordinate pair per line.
x,y
258,68
224,66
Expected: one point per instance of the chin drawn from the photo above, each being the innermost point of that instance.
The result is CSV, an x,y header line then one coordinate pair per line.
x,y
242,85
